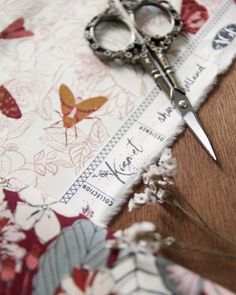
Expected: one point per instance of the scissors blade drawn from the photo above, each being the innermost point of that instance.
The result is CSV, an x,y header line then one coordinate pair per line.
x,y
192,121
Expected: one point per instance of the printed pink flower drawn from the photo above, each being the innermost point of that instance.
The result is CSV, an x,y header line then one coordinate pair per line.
x,y
13,175
187,282
27,90
191,283
8,269
14,251
32,259
11,234
193,16
38,211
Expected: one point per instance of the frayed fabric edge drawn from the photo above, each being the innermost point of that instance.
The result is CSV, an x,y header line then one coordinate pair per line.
x,y
179,129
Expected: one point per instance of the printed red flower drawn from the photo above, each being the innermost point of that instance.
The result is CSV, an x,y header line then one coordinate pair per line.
x,y
82,278
193,16
15,30
3,222
59,291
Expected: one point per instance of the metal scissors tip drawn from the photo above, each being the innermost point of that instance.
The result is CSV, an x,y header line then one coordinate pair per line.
x,y
193,123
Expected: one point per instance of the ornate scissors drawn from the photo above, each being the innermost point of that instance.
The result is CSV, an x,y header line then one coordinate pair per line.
x,y
149,51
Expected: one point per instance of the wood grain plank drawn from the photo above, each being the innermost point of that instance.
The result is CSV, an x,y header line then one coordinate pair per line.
x,y
211,189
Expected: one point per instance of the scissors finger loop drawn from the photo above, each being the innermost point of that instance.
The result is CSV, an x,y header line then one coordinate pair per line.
x,y
157,42
130,54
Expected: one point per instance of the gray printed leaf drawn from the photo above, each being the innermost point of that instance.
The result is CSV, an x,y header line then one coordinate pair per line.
x,y
184,282
81,245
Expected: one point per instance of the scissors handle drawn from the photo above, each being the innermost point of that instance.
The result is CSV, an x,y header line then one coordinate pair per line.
x,y
165,80
157,41
167,69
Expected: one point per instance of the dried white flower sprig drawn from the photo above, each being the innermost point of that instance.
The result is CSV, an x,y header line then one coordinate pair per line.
x,y
143,237
140,237
161,189
157,178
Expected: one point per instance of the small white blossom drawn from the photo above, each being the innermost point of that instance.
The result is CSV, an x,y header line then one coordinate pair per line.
x,y
152,187
11,233
141,199
153,170
169,241
167,166
162,182
160,195
168,163
157,179
132,205
138,237
151,196
138,229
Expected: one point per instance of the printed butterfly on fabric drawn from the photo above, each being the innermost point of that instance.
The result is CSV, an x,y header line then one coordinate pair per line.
x,y
193,16
8,105
75,109
15,30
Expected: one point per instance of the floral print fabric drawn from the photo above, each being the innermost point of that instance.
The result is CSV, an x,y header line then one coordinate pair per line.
x,y
38,234
29,221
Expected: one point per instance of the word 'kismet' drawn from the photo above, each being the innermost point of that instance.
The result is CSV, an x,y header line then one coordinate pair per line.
x,y
123,167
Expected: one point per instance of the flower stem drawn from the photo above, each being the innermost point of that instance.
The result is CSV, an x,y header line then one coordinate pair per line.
x,y
195,217
180,245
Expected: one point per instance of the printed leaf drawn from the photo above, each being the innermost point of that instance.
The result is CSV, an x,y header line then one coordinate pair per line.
x,y
98,134
39,156
55,138
80,153
40,169
51,155
20,126
81,245
137,273
44,109
51,167
63,163
11,147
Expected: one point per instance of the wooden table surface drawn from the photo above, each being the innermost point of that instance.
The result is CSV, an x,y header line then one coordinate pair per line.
x,y
210,189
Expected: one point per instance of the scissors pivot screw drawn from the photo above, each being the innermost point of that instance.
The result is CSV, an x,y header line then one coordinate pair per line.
x,y
183,104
